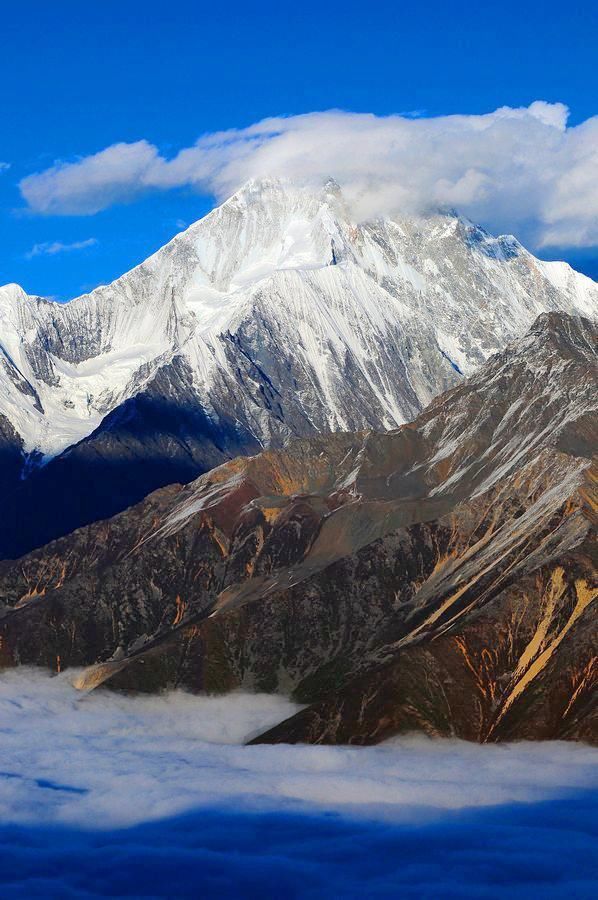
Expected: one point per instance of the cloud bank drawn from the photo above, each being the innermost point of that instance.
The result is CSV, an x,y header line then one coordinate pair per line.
x,y
51,248
156,796
521,170
110,760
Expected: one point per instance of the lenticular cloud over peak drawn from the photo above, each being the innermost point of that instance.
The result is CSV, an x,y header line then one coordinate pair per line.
x,y
520,170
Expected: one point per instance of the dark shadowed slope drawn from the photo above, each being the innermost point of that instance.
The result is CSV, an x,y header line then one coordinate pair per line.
x,y
161,436
438,577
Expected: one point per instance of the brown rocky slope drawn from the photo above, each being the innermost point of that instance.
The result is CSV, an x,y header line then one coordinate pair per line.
x,y
439,577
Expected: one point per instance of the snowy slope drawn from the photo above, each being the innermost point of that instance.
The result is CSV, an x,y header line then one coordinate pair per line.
x,y
288,317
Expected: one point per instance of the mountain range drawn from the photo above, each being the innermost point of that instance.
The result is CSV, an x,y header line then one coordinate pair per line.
x,y
437,576
275,317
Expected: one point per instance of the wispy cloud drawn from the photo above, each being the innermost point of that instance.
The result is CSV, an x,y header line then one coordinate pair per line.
x,y
519,169
51,248
4,166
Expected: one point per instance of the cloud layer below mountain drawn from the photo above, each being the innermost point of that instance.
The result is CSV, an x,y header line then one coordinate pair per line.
x,y
114,760
155,796
520,170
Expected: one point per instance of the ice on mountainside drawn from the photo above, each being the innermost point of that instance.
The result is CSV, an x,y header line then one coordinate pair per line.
x,y
352,325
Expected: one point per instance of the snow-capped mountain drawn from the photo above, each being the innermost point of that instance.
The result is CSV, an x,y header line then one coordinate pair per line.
x,y
275,316
354,325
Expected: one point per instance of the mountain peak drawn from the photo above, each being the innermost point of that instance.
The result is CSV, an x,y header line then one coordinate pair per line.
x,y
562,323
336,325
276,194
264,189
11,294
560,336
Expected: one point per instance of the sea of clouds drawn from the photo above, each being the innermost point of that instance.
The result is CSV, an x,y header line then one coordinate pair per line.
x,y
154,796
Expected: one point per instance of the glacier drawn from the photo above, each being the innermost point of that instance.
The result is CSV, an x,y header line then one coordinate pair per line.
x,y
287,316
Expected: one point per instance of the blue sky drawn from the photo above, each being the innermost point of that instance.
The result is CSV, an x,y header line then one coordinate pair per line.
x,y
78,78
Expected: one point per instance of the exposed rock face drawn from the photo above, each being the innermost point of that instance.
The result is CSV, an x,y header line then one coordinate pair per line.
x,y
440,576
274,317
11,456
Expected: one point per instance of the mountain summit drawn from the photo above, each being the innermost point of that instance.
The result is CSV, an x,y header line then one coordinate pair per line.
x,y
276,316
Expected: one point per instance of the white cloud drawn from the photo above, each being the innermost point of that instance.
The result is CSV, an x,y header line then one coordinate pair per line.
x,y
185,810
115,761
521,170
92,183
51,248
4,166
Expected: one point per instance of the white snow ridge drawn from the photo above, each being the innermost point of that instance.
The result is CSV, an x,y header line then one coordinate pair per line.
x,y
354,325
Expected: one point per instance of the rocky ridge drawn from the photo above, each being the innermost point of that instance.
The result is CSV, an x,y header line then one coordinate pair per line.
x,y
439,577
